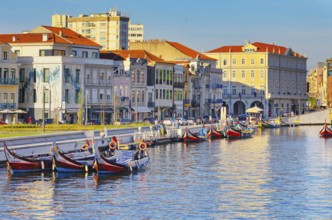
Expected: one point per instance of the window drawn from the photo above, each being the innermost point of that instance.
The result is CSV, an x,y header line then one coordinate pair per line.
x,y
252,74
225,62
234,74
5,55
243,90
234,61
74,53
262,90
157,77
261,61
233,90
243,61
17,52
22,74
94,55
101,96
21,95
156,94
67,75
143,96
252,90
67,95
137,76
34,96
243,74
34,75
252,61
85,54
78,75
170,95
46,75
46,95
164,94
167,94
262,74
225,90
225,74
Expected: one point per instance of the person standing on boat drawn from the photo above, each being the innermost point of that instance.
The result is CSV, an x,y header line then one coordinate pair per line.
x,y
113,145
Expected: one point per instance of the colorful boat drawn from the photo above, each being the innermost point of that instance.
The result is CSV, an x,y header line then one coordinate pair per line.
x,y
125,162
325,132
69,164
266,124
190,137
214,133
23,164
233,133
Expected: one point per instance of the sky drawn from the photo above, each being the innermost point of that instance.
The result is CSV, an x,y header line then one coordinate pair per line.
x,y
303,25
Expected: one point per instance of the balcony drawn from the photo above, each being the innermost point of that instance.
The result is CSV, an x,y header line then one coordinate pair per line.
x,y
151,104
8,105
8,81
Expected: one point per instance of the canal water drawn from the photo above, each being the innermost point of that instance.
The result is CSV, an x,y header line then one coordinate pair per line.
x,y
278,174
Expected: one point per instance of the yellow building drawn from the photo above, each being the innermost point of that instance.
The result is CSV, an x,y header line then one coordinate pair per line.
x,y
9,70
269,76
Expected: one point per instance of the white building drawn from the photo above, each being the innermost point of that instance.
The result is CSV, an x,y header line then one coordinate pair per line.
x,y
62,66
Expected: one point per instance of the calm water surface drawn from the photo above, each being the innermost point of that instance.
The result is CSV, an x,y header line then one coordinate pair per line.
x,y
278,174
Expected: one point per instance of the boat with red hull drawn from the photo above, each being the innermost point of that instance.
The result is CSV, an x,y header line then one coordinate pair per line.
x,y
23,164
325,132
125,162
67,164
190,137
214,133
233,133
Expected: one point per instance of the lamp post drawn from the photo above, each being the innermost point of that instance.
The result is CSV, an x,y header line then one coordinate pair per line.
x,y
43,113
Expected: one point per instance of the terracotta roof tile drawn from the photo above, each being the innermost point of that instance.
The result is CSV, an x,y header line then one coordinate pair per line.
x,y
261,47
118,54
188,51
57,35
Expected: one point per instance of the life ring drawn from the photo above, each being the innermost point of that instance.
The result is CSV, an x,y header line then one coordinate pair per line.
x,y
85,147
142,146
112,145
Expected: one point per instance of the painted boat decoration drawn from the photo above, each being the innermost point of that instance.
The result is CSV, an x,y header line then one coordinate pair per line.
x,y
21,164
190,137
325,132
214,133
233,133
125,162
67,164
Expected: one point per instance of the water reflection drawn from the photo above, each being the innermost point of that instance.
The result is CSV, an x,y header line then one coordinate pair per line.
x,y
279,173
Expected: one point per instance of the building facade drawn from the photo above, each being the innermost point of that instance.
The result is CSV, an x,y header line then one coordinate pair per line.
x,y
9,81
61,76
266,75
111,30
201,77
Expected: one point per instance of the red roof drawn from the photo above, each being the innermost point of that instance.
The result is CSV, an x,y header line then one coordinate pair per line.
x,y
118,54
188,51
58,35
261,47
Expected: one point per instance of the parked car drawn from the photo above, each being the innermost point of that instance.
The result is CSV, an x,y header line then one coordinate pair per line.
x,y
169,121
47,121
182,121
125,121
2,123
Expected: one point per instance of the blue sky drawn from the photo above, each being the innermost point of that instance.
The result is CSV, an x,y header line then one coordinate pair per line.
x,y
303,25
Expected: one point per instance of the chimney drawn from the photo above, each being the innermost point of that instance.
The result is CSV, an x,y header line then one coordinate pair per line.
x,y
14,38
45,37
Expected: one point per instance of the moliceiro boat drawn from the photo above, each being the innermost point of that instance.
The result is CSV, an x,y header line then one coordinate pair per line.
x,y
24,164
325,132
188,136
125,162
214,133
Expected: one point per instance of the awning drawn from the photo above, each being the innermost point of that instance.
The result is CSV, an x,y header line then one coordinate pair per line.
x,y
141,109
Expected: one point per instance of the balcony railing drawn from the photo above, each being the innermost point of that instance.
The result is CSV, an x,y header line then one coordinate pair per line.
x,y
9,81
8,105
